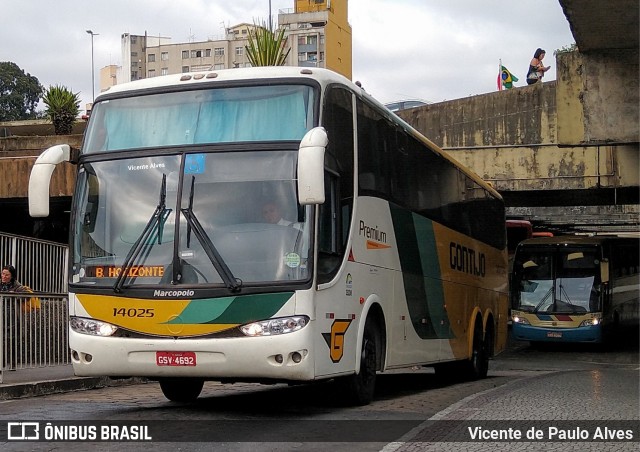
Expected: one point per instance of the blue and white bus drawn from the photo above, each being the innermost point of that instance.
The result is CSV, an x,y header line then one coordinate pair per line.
x,y
574,288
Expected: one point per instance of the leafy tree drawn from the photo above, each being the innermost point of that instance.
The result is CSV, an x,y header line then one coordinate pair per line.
x,y
62,108
19,93
266,46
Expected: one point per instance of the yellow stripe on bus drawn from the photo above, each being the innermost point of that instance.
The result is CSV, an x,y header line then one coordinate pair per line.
x,y
147,316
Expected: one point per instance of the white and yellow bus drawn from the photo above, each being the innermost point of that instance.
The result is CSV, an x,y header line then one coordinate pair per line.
x,y
385,254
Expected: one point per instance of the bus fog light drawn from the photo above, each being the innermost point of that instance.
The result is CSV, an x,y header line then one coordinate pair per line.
x,y
296,357
92,327
75,355
279,359
88,358
275,327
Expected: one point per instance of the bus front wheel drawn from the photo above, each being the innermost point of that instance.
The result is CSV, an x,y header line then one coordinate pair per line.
x,y
361,386
181,389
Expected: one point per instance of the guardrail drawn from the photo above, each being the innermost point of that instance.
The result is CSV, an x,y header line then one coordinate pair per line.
x,y
33,330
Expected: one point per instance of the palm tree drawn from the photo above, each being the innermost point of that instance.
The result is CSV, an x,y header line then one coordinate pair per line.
x,y
62,108
266,46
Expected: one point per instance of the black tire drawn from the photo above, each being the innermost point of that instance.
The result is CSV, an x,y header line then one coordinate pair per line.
x,y
478,364
450,372
360,387
612,332
181,389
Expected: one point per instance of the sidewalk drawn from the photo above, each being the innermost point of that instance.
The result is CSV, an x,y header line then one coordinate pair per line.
x,y
50,380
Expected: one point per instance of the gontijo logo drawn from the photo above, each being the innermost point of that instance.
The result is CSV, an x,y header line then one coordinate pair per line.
x,y
376,238
467,260
335,339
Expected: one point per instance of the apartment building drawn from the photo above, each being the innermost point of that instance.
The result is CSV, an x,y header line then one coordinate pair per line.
x,y
319,35
317,31
150,56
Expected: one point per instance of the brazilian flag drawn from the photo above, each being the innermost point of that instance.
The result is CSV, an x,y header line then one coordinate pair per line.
x,y
507,78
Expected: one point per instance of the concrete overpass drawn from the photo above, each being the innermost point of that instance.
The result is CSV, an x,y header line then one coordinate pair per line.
x,y
599,25
564,154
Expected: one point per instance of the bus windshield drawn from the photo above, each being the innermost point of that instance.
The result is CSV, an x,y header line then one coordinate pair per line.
x,y
238,221
231,114
561,281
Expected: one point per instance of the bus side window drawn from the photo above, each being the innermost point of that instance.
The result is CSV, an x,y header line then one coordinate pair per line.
x,y
335,213
329,246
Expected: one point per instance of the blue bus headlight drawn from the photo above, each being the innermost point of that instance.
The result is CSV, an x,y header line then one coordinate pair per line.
x,y
595,320
274,327
520,320
91,327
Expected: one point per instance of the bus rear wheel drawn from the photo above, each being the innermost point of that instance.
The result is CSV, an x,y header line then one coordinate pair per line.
x,y
181,389
478,364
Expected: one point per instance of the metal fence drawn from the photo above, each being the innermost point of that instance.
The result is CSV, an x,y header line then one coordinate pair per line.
x,y
34,326
34,330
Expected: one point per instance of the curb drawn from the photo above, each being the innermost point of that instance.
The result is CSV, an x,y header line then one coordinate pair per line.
x,y
40,388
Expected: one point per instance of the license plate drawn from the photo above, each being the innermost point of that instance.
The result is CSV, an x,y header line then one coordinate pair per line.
x,y
175,358
556,334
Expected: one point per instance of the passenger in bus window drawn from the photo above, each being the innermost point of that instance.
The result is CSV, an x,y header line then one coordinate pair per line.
x,y
272,213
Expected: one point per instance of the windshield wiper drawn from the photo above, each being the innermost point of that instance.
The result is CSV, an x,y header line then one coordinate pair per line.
x,y
232,283
549,292
155,225
568,300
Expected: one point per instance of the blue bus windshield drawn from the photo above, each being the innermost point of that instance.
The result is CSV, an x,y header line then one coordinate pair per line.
x,y
557,281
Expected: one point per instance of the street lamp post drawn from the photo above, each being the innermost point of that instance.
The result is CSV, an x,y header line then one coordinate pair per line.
x,y
93,80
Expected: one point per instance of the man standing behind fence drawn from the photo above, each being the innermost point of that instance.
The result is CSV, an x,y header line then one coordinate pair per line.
x,y
12,323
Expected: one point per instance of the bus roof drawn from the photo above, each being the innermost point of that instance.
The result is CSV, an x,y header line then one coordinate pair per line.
x,y
321,75
192,79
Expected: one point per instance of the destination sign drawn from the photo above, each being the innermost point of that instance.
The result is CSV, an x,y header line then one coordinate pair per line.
x,y
136,271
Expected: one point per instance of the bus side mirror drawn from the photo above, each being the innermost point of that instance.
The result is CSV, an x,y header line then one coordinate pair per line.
x,y
604,271
311,166
40,178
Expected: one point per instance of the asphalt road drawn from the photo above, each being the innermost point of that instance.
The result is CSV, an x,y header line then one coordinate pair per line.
x,y
525,384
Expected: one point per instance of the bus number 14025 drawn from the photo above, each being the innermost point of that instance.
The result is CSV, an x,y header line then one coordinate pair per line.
x,y
133,312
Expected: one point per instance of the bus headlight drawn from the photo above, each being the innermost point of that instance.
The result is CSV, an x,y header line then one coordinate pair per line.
x,y
591,322
274,327
520,320
92,327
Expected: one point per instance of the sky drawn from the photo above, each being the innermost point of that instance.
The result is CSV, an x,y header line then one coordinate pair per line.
x,y
430,50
